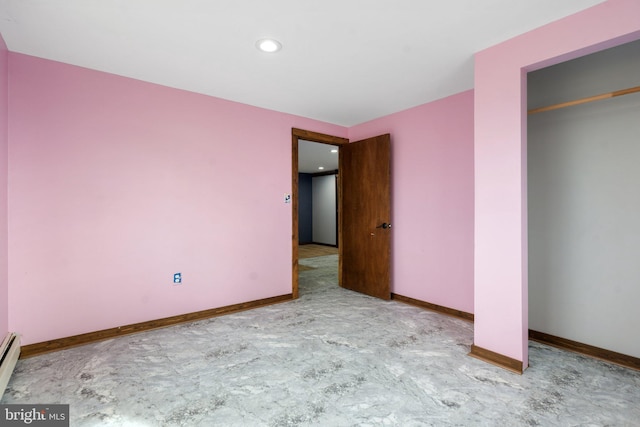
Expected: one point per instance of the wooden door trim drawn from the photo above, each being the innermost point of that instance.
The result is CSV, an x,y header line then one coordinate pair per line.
x,y
297,134
318,137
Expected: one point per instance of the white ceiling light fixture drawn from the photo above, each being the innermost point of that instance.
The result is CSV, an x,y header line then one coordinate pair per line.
x,y
268,45
334,151
321,168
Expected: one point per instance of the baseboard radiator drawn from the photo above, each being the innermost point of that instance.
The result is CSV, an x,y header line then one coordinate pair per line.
x,y
9,353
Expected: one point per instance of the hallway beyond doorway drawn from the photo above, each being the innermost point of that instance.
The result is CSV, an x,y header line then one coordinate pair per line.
x,y
313,250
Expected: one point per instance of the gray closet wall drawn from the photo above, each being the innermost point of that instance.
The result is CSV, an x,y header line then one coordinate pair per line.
x,y
324,209
584,202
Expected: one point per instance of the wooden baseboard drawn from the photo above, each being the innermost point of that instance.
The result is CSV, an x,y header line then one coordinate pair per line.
x,y
497,359
515,365
77,340
323,244
434,307
585,349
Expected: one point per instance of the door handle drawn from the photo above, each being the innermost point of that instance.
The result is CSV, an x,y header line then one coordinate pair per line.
x,y
384,225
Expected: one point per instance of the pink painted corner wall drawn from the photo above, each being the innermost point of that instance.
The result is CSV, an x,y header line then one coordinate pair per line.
x,y
432,199
501,289
4,124
116,184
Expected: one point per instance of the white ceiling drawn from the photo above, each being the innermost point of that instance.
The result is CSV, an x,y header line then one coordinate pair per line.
x,y
343,61
312,155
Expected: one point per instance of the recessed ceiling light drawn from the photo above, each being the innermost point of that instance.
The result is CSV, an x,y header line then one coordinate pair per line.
x,y
334,151
321,168
268,45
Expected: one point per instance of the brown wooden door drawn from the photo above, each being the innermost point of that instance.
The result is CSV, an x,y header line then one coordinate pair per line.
x,y
365,216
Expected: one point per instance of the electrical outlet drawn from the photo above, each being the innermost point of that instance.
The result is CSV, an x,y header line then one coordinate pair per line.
x,y
177,278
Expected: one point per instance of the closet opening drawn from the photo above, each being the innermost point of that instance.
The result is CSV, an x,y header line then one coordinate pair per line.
x,y
583,203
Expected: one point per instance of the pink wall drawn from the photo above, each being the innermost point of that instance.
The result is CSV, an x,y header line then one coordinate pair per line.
x,y
115,184
4,121
432,199
501,310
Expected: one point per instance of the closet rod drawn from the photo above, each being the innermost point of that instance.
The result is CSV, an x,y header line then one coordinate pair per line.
x,y
585,100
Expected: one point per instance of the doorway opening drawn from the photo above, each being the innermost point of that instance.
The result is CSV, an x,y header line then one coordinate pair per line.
x,y
298,135
581,204
317,194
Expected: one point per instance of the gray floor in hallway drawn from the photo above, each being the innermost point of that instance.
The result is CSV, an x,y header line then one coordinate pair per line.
x,y
331,358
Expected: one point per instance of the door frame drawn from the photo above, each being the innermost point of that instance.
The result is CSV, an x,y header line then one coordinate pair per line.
x,y
297,134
